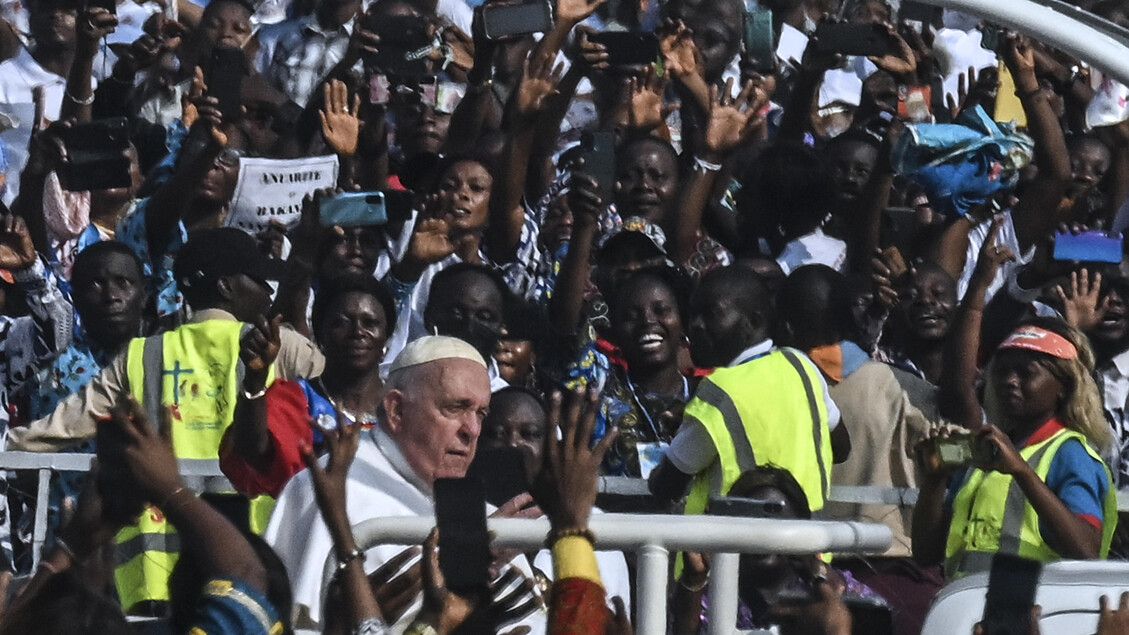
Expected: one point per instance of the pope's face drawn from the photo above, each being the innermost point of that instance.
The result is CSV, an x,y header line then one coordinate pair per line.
x,y
437,416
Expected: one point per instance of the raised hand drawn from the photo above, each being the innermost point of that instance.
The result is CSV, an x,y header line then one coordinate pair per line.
x,y
539,80
149,457
584,199
1082,303
732,120
680,56
200,108
442,608
901,62
363,42
339,123
992,256
329,482
887,268
91,25
645,110
566,486
572,12
260,345
16,248
431,241
1019,56
587,53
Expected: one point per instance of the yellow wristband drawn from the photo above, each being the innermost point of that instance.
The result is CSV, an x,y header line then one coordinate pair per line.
x,y
574,557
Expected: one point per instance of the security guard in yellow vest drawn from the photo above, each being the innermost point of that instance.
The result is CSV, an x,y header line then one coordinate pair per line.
x,y
762,406
193,373
1039,488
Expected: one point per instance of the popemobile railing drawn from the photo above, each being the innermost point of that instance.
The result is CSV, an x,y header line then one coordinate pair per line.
x,y
653,537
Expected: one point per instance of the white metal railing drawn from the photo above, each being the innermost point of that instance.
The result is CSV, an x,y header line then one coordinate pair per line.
x,y
653,538
203,475
1056,25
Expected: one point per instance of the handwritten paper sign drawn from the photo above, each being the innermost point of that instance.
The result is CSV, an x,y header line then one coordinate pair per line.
x,y
273,189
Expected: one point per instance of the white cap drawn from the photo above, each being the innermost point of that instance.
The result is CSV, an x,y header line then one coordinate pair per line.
x,y
432,348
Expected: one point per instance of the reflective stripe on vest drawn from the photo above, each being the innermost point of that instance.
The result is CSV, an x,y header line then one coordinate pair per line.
x,y
194,373
757,413
991,513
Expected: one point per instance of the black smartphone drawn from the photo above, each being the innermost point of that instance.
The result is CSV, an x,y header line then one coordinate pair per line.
x,y
119,504
464,544
853,39
627,48
992,37
1012,583
96,155
744,507
502,472
402,38
597,150
506,20
760,41
398,205
911,11
109,5
224,78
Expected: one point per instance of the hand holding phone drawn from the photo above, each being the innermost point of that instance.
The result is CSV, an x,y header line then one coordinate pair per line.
x,y
1089,246
352,209
224,79
597,151
845,38
96,155
964,450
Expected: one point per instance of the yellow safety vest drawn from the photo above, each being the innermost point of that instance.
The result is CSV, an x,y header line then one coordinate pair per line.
x,y
195,373
991,514
767,411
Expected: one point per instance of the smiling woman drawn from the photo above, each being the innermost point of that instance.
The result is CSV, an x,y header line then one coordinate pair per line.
x,y
645,392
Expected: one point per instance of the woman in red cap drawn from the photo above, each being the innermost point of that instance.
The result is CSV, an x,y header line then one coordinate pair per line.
x,y
1030,480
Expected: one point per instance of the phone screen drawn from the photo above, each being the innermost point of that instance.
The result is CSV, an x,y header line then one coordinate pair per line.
x,y
760,45
464,544
628,49
505,20
225,80
1091,246
597,149
853,39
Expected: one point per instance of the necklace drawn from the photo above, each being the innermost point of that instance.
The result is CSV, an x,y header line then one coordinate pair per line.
x,y
366,419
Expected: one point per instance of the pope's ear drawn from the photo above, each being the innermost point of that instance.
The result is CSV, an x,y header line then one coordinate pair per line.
x,y
393,409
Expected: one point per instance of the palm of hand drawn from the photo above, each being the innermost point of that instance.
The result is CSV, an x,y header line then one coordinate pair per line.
x,y
576,10
725,128
431,241
341,130
680,55
15,254
646,108
532,93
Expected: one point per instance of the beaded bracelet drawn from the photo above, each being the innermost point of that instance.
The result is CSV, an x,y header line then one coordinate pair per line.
x,y
577,532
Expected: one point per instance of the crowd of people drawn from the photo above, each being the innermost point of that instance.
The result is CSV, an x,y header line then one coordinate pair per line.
x,y
744,250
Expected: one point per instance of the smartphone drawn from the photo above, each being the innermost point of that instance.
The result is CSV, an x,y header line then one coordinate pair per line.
x,y
506,20
502,472
991,37
398,205
760,41
401,40
1012,583
911,11
863,40
352,209
1091,246
869,615
464,544
744,507
597,149
964,450
115,486
224,78
628,49
95,155
109,5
